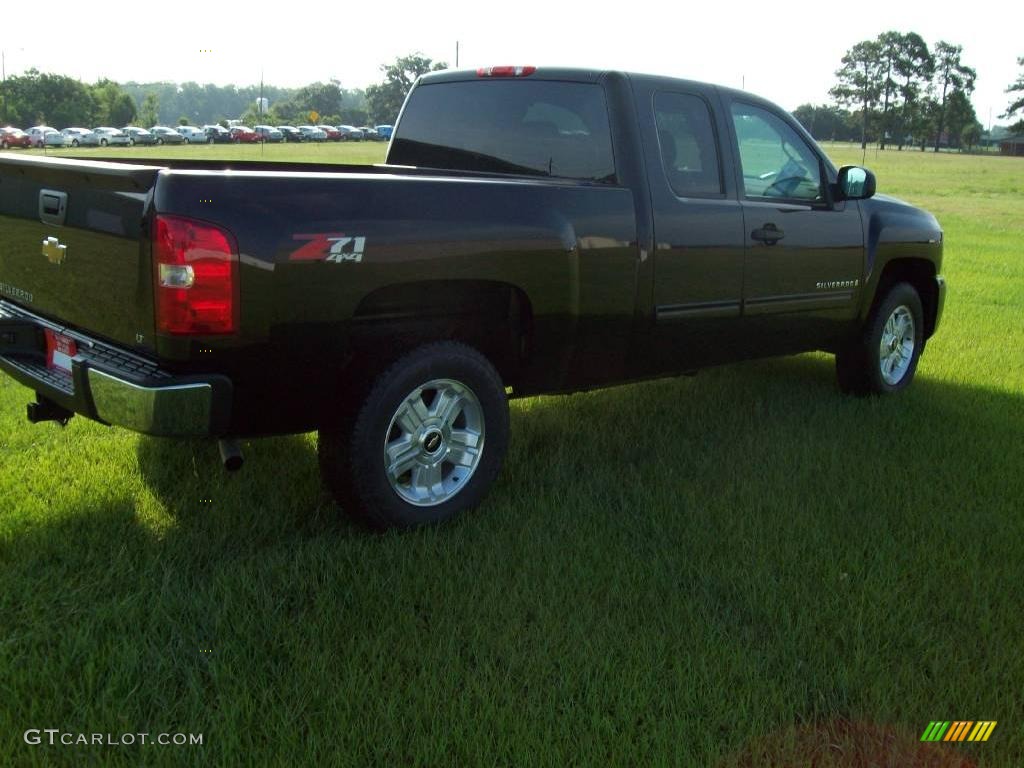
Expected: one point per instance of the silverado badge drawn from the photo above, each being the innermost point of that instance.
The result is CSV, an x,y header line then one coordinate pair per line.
x,y
54,251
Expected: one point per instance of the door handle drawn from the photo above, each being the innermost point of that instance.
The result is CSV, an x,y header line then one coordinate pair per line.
x,y
769,234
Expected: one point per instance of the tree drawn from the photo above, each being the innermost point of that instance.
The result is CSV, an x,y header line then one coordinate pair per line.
x,y
915,67
890,48
36,97
951,75
825,123
113,105
122,111
971,134
322,98
959,116
149,112
1017,105
859,81
920,117
384,101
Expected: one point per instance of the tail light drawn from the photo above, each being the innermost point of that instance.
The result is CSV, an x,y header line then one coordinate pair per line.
x,y
195,271
505,71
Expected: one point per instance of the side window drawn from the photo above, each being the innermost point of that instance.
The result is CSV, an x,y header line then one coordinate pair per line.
x,y
776,162
689,153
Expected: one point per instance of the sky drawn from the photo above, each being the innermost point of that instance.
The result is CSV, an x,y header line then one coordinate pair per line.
x,y
786,50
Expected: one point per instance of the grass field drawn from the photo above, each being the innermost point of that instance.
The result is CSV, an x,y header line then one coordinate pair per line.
x,y
743,568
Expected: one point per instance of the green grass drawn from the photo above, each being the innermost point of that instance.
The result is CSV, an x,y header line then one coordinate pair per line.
x,y
724,570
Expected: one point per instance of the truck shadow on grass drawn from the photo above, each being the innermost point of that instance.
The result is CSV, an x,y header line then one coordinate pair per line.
x,y
780,427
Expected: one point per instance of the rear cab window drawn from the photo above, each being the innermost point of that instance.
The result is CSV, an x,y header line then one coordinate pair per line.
x,y
689,150
517,126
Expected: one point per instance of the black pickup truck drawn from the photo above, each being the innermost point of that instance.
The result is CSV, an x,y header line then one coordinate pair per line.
x,y
533,231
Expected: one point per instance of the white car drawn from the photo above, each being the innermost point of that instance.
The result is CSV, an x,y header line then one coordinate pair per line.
x,y
80,137
192,134
112,136
312,133
38,134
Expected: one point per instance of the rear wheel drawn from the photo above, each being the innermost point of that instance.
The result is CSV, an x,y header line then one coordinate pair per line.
x,y
103,142
884,358
427,442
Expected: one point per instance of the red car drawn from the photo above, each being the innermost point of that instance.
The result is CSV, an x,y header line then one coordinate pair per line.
x,y
333,134
14,137
241,134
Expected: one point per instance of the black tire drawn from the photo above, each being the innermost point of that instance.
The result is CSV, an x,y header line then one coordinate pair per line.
x,y
103,142
859,364
351,449
74,143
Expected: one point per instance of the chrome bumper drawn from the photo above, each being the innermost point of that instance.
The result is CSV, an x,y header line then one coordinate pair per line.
x,y
112,385
178,409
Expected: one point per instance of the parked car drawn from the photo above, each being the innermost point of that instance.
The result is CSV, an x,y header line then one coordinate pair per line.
x,y
217,134
268,133
384,131
637,227
243,134
139,135
165,135
349,133
312,133
54,138
369,134
37,133
14,137
193,135
80,137
111,136
290,133
332,132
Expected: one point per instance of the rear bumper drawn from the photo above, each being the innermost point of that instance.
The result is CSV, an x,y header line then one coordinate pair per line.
x,y
111,385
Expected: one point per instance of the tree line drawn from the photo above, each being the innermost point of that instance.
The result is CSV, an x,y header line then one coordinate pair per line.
x,y
903,92
36,98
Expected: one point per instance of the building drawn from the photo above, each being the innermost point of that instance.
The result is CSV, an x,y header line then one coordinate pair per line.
x,y
1012,145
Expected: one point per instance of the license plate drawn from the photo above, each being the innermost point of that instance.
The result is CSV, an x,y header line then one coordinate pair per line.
x,y
59,351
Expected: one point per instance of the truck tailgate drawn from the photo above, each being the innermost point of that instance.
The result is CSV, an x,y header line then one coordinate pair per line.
x,y
72,246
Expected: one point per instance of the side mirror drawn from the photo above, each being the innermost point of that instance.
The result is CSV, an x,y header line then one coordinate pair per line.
x,y
855,183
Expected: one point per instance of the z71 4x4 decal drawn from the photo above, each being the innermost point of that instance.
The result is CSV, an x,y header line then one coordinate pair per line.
x,y
336,247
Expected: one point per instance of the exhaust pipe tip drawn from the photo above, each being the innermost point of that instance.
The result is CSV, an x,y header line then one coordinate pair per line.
x,y
231,455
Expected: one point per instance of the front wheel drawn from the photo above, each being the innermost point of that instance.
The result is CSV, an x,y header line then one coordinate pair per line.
x,y
426,443
103,142
884,358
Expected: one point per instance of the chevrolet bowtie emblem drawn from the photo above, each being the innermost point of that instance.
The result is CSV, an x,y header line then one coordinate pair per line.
x,y
53,250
